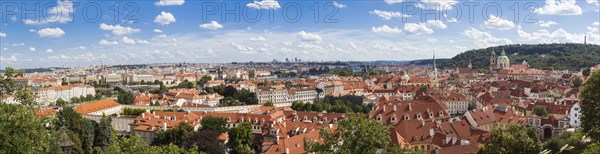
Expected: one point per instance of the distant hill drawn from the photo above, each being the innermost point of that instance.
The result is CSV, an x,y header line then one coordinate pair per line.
x,y
426,62
542,56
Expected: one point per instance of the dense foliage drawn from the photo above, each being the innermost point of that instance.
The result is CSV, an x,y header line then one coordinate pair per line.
x,y
133,112
590,105
359,135
540,110
125,97
175,135
214,123
337,106
514,139
543,56
19,128
232,96
241,136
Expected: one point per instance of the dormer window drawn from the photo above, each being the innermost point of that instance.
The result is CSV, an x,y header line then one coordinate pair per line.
x,y
430,114
324,120
441,114
393,119
379,117
418,116
406,117
228,119
334,120
304,118
314,119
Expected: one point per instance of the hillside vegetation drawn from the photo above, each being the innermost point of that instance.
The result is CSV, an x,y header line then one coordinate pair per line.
x,y
542,56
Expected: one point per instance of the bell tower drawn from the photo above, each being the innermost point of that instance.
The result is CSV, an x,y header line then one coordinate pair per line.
x,y
493,61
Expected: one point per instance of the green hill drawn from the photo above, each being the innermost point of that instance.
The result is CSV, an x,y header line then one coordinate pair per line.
x,y
542,56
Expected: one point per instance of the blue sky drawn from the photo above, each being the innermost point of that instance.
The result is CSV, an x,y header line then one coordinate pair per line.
x,y
57,33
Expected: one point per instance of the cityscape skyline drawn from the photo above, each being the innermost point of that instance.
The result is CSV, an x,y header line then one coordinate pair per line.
x,y
73,34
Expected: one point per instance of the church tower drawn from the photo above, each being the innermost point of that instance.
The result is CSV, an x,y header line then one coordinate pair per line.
x,y
433,74
493,61
503,61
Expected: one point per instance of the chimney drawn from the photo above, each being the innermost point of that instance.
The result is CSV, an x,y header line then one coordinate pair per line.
x,y
431,132
284,125
422,123
384,107
143,115
164,126
410,106
287,150
394,107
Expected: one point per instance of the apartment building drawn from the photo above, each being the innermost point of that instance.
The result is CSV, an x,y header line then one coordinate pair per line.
x,y
48,96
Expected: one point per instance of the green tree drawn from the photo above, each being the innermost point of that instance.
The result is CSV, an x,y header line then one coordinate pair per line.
x,y
241,135
175,135
514,139
214,123
572,139
7,83
133,144
586,72
25,97
268,103
590,103
205,140
593,148
423,89
243,149
577,82
355,134
22,132
60,102
540,110
104,136
229,91
125,97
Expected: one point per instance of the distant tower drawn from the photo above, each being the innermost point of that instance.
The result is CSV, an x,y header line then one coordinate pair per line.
x,y
470,65
584,39
433,75
503,61
493,61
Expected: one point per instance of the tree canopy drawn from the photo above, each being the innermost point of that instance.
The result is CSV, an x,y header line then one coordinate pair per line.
x,y
214,123
590,105
514,139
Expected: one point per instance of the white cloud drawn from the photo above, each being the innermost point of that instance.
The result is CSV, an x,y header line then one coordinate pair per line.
x,y
157,31
437,4
243,49
264,4
51,32
557,36
107,42
308,37
32,30
417,29
164,18
2,34
132,41
596,23
542,23
260,38
339,5
385,29
495,22
17,44
11,59
62,13
169,2
49,50
118,29
387,15
436,24
81,48
560,7
32,49
353,46
393,1
484,38
213,25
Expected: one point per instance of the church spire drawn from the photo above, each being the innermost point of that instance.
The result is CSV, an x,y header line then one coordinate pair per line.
x,y
434,67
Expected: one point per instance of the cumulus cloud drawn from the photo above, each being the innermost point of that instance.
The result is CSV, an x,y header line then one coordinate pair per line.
x,y
157,31
558,36
2,34
385,29
308,37
436,24
543,23
213,25
17,44
417,29
260,38
393,1
169,2
61,13
32,49
12,58
49,50
132,41
164,18
560,7
387,15
437,4
484,38
118,29
264,4
339,5
51,32
107,42
495,22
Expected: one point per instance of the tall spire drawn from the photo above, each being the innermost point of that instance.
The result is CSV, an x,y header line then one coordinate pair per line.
x,y
434,68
